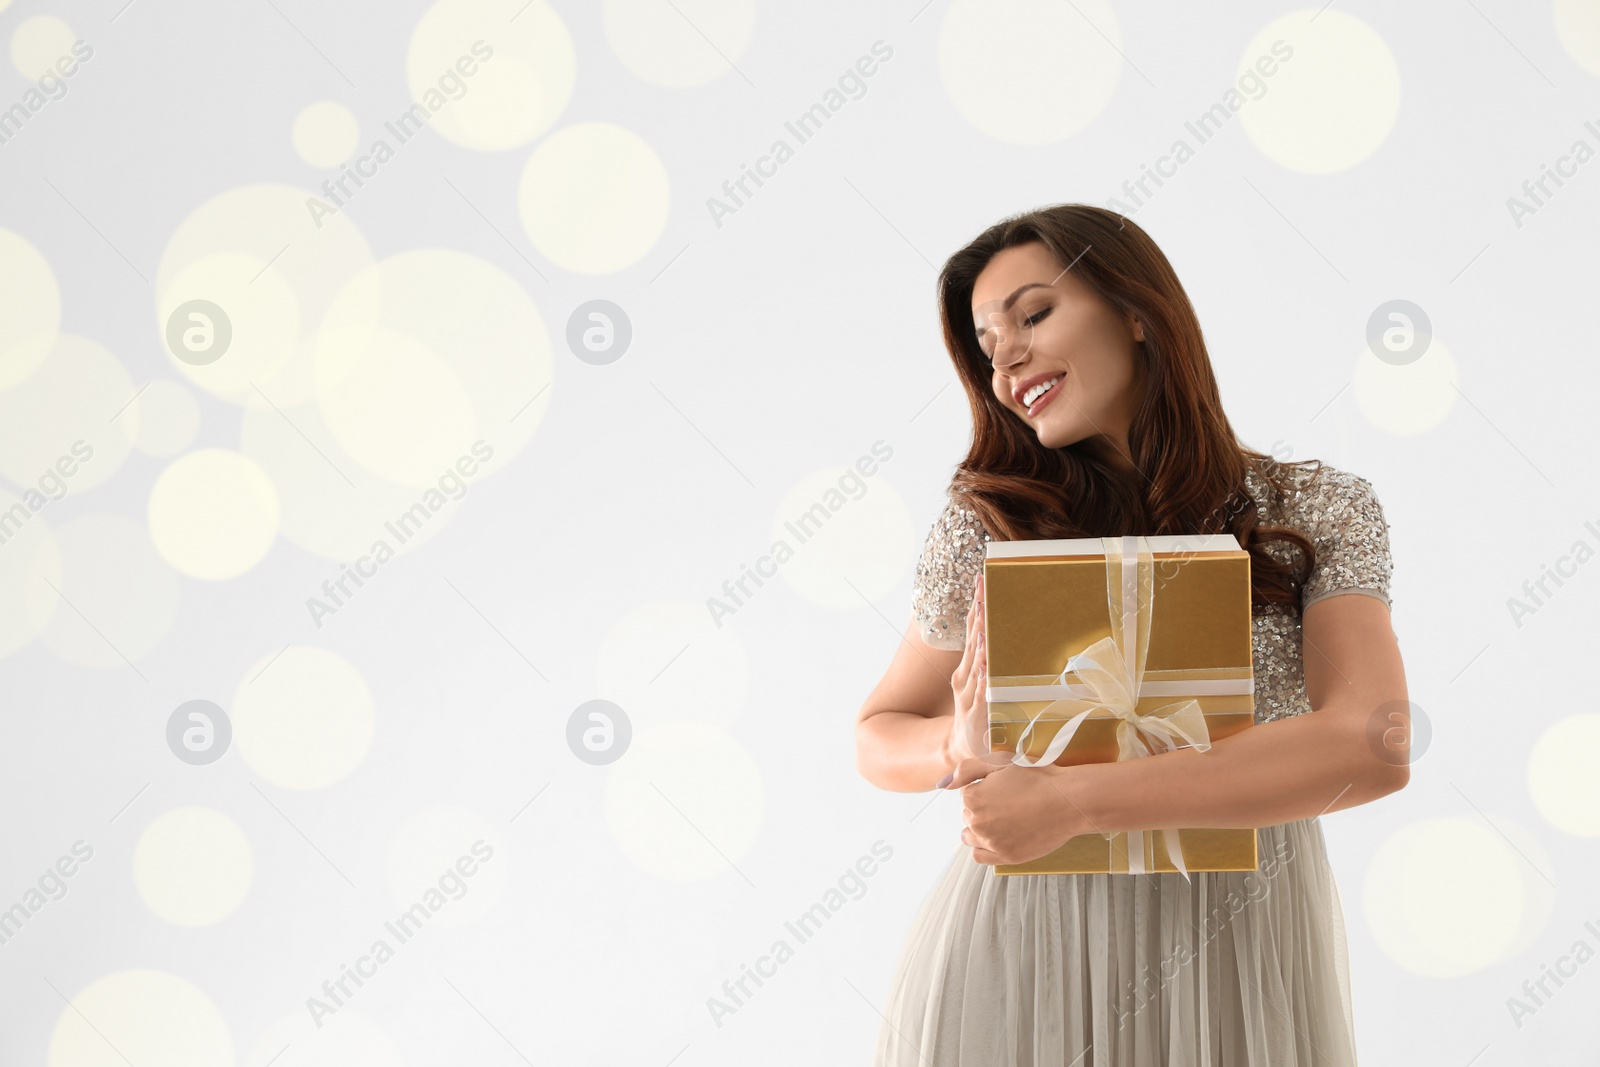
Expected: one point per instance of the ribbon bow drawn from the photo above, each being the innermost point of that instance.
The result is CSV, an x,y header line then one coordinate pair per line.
x,y
1112,673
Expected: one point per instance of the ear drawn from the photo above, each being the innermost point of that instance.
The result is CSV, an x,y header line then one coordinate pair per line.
x,y
1138,330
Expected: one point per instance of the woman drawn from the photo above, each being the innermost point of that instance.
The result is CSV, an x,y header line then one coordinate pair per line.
x,y
1096,413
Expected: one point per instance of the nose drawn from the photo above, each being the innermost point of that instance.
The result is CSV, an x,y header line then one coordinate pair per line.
x,y
1010,342
1012,354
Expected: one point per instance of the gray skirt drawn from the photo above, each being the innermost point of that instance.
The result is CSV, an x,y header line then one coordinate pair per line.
x,y
1237,969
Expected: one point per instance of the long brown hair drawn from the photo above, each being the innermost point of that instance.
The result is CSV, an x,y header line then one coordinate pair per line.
x,y
1191,466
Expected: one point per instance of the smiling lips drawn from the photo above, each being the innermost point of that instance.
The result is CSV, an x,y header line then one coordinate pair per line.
x,y
1038,391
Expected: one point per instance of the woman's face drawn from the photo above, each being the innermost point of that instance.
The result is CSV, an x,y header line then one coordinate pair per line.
x,y
1058,330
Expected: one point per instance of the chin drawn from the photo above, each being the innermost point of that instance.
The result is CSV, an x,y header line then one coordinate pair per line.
x,y
1058,437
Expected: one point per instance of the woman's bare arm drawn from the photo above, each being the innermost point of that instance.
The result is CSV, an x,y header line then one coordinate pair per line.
x,y
1351,748
903,729
1292,768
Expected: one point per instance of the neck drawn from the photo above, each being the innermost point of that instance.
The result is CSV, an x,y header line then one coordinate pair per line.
x,y
1113,451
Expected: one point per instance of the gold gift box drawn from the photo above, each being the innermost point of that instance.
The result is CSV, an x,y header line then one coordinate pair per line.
x,y
1046,600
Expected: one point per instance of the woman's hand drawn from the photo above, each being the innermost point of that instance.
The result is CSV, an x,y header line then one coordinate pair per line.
x,y
1015,814
969,730
1012,814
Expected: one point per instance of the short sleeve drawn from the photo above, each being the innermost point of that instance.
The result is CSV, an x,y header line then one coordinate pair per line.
x,y
941,593
1345,523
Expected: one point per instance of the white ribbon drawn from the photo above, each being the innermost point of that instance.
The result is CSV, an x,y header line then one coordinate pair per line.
x,y
1113,677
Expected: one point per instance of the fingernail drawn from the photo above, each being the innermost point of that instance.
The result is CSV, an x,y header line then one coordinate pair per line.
x,y
945,780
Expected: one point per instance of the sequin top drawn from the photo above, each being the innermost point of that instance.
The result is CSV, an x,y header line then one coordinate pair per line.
x,y
1336,510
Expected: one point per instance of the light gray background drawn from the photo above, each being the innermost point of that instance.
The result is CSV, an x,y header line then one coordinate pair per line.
x,y
779,345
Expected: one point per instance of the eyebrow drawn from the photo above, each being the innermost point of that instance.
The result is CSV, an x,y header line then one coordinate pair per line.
x,y
1012,299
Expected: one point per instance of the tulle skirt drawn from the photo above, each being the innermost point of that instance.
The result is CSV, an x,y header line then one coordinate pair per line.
x,y
1237,969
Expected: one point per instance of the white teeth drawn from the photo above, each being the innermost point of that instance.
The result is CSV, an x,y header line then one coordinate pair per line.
x,y
1037,391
